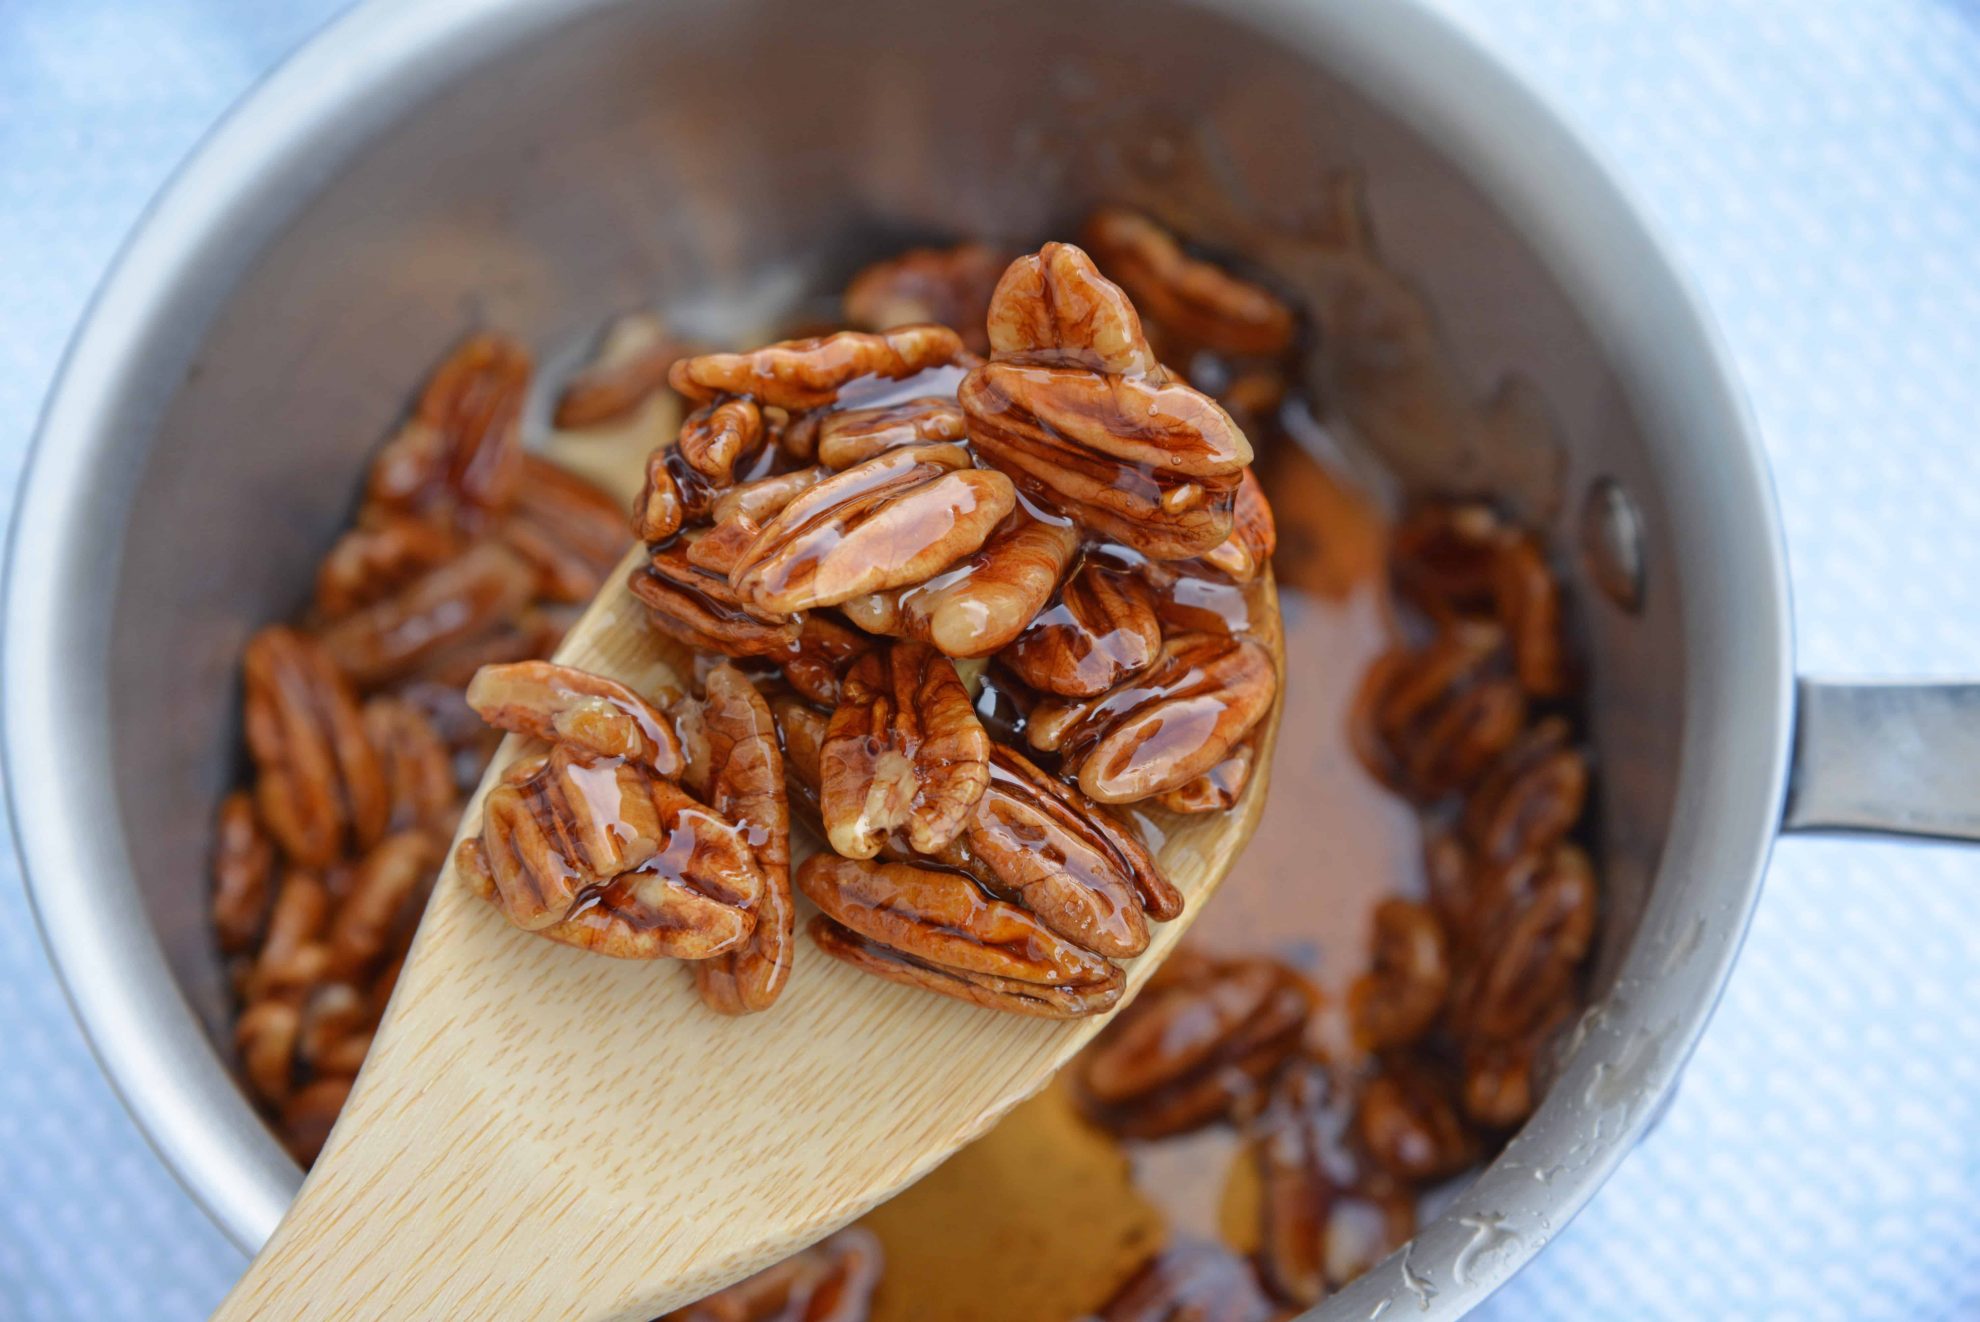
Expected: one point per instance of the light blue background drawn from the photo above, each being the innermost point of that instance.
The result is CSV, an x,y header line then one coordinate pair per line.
x,y
1816,164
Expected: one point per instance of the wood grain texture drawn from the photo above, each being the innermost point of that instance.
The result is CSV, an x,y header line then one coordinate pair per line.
x,y
540,1132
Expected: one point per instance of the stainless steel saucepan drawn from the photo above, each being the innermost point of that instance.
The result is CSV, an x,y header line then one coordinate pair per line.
x,y
426,165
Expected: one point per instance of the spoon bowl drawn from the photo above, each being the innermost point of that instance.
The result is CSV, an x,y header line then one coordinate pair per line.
x,y
542,1132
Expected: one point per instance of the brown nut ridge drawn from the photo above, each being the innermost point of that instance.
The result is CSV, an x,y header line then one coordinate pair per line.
x,y
379,556
903,751
571,531
825,648
386,889
809,374
1533,944
1409,1124
416,763
899,518
1398,1000
243,873
561,704
1100,630
1254,533
1457,560
1219,788
466,598
1161,729
981,603
1431,721
1199,1041
1531,797
701,609
743,780
458,459
318,785
948,286
1054,306
1198,303
986,990
841,438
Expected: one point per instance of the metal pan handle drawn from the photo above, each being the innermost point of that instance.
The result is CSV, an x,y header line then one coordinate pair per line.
x,y
1887,758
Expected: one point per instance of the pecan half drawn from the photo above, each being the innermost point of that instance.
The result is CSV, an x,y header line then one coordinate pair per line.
x,y
1161,729
1219,788
941,931
809,374
1199,303
1501,1084
801,733
382,554
1189,1281
560,824
561,704
1202,1037
417,766
243,871
718,438
832,1281
899,518
1300,1144
458,459
265,1037
469,741
1254,534
318,785
703,611
758,502
742,778
1075,408
983,602
1401,995
843,437
824,649
903,750
1531,797
1431,721
571,531
1101,629
1410,1125
386,890
1079,869
948,286
631,365
1533,941
465,598
292,954
1461,560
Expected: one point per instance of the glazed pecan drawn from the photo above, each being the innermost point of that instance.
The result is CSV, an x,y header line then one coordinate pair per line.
x,y
720,444
561,704
1190,1280
466,599
718,438
1254,534
547,860
1409,1124
1161,729
1189,596
948,286
631,365
1536,930
1219,788
1401,995
809,374
1198,303
824,649
386,889
265,1037
840,438
1461,560
1500,1087
571,531
898,518
1531,797
1202,1037
1085,874
458,460
741,776
469,741
243,872
1431,721
832,1281
318,785
801,734
1075,408
703,611
903,750
982,602
1101,629
758,502
382,554
939,930
1325,1215
417,766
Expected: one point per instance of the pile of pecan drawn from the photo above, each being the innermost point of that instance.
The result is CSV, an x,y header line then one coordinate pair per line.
x,y
466,550
1467,990
866,537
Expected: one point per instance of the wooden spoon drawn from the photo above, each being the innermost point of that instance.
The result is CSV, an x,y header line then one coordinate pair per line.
x,y
539,1132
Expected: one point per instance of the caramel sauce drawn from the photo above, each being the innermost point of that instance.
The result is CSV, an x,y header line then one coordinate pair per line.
x,y
1046,1216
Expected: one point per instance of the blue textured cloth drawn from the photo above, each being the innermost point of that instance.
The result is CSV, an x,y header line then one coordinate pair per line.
x,y
1816,164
